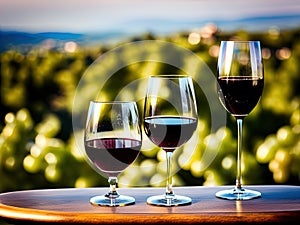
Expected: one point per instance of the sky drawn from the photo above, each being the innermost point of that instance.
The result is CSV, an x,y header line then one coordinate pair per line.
x,y
99,15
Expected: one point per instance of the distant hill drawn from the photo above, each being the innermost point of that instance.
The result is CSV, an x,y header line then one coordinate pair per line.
x,y
25,40
9,39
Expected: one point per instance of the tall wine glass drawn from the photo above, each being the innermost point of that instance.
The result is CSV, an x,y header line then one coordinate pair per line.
x,y
170,119
240,86
112,142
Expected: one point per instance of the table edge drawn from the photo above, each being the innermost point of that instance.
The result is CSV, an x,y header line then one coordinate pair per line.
x,y
36,215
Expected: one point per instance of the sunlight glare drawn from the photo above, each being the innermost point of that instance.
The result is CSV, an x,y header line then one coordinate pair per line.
x,y
194,38
228,58
70,46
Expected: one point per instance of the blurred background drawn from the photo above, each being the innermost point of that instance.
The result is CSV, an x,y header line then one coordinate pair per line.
x,y
47,46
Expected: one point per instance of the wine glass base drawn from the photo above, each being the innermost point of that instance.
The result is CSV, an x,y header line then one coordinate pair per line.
x,y
238,194
122,200
161,200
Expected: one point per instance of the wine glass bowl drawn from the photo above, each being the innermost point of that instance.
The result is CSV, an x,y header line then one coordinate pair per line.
x,y
112,141
170,119
240,85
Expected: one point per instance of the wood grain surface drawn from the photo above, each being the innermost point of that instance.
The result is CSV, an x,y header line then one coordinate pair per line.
x,y
278,204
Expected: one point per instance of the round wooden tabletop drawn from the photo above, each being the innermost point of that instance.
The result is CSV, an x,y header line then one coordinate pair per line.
x,y
279,203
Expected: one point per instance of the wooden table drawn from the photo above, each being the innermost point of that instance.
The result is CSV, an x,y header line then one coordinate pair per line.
x,y
278,204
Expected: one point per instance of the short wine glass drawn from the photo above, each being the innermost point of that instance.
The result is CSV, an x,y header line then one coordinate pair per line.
x,y
112,141
170,119
240,86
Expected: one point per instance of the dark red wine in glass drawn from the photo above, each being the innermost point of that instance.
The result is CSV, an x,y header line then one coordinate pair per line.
x,y
112,155
170,119
169,132
240,94
240,86
112,142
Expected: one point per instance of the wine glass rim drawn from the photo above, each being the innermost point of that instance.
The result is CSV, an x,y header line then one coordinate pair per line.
x,y
113,102
251,41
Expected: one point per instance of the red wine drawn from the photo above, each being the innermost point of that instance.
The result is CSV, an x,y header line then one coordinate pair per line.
x,y
240,94
169,132
112,155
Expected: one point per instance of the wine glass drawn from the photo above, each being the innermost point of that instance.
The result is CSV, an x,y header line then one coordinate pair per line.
x,y
112,142
240,86
170,119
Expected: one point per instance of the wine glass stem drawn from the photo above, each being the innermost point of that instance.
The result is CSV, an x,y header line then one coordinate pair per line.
x,y
239,153
169,191
112,194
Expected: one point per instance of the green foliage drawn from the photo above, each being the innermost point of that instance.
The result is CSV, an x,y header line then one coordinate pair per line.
x,y
282,151
32,157
37,146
